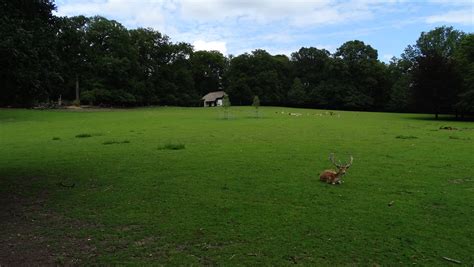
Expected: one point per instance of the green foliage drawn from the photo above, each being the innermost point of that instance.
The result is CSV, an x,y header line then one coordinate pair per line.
x,y
208,69
226,105
256,102
89,97
226,101
258,73
43,57
249,187
29,69
441,41
436,83
401,79
466,103
256,105
313,68
355,52
464,56
297,94
76,103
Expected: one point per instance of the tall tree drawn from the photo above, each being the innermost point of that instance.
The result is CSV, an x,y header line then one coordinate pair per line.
x,y
72,50
297,94
464,57
256,105
260,74
208,69
29,64
435,81
400,78
226,105
366,81
312,65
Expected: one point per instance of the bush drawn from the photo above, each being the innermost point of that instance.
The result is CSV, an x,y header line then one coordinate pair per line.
x,y
122,98
100,96
76,103
88,97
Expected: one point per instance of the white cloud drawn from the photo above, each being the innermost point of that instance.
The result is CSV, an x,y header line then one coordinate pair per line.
x,y
297,13
279,26
262,11
452,2
147,13
465,16
209,46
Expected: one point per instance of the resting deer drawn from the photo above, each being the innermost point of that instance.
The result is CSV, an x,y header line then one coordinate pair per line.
x,y
332,176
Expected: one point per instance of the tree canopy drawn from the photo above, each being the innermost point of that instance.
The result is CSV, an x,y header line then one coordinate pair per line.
x,y
101,62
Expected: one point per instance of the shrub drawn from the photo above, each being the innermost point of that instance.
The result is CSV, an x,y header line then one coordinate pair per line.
x,y
76,103
121,97
88,97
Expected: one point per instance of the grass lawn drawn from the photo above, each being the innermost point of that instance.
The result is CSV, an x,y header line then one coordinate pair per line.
x,y
182,186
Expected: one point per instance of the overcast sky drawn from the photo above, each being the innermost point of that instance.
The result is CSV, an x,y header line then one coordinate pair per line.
x,y
281,27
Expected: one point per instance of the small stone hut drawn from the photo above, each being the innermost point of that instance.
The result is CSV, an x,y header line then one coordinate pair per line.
x,y
213,99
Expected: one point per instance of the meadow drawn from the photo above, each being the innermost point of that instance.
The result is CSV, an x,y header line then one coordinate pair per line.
x,y
184,186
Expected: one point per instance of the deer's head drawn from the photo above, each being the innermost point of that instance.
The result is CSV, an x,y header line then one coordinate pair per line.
x,y
341,168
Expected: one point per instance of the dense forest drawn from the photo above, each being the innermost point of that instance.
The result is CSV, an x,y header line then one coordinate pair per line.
x,y
100,62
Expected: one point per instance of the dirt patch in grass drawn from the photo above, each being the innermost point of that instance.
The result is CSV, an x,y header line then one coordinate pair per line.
x,y
116,142
83,135
406,137
449,128
172,146
459,138
29,234
86,135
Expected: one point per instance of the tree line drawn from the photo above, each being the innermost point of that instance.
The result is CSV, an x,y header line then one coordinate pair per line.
x,y
98,61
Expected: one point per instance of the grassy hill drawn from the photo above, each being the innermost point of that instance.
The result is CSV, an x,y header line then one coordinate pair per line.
x,y
186,186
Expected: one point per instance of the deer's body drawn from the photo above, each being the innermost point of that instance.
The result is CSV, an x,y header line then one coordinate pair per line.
x,y
332,176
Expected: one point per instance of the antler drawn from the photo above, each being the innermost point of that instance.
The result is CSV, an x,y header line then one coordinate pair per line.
x,y
331,158
350,162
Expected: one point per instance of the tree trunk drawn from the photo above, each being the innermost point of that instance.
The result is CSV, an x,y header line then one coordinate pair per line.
x,y
77,87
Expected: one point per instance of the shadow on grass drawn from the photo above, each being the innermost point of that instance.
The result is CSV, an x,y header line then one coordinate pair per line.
x,y
116,142
441,118
172,146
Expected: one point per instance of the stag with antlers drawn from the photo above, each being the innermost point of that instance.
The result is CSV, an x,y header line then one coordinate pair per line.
x,y
332,176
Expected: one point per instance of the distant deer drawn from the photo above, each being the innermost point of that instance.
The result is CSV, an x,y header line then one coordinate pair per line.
x,y
332,176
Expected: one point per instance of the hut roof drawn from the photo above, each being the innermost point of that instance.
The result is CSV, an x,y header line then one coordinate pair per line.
x,y
212,96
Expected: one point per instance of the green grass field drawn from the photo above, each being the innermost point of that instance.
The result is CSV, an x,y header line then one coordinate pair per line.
x,y
182,186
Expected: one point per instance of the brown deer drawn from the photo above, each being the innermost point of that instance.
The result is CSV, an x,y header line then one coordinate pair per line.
x,y
332,176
